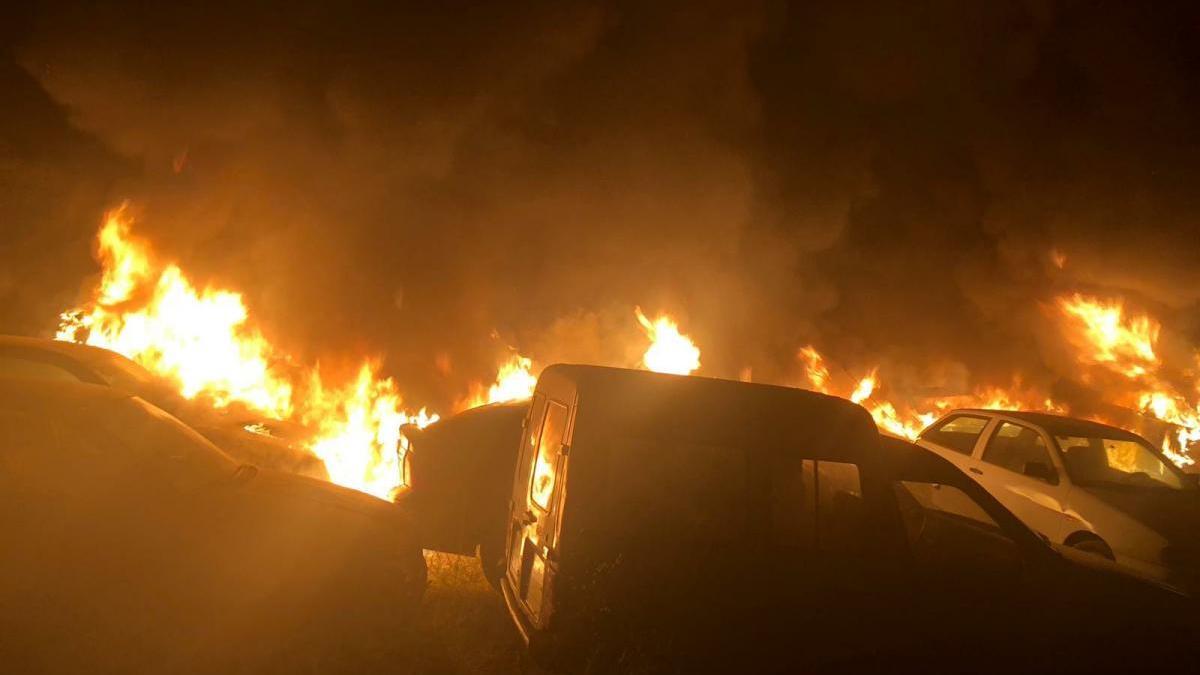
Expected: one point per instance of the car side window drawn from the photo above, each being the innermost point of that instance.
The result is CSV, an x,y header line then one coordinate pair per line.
x,y
1020,450
15,366
958,433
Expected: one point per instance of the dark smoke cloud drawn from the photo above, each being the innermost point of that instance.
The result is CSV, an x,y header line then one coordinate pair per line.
x,y
436,183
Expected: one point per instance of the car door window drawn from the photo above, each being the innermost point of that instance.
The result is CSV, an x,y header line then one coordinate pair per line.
x,y
958,433
951,535
1017,448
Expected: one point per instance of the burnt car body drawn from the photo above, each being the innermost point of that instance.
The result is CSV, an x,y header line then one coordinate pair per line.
x,y
683,523
247,436
132,544
458,479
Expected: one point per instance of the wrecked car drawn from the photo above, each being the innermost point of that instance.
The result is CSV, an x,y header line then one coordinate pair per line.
x,y
1082,484
688,523
133,544
457,481
250,437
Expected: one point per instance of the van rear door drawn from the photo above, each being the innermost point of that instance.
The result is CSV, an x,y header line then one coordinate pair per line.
x,y
536,507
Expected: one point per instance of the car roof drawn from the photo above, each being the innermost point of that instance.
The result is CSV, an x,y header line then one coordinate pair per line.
x,y
484,417
1060,424
708,411
74,350
18,393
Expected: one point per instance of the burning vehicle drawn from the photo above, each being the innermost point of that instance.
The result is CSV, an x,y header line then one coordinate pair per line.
x,y
135,545
243,434
1082,484
657,519
457,474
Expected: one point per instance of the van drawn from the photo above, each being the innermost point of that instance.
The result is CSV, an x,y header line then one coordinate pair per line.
x,y
659,520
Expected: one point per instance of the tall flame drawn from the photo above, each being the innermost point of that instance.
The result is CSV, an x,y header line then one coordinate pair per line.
x,y
203,341
670,351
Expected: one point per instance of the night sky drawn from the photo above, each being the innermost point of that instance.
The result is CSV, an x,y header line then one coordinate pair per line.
x,y
883,180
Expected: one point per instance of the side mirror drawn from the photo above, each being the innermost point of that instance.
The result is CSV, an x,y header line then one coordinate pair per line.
x,y
1041,471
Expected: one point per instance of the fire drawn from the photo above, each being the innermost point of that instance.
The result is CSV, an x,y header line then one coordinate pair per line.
x,y
670,351
907,417
202,340
514,381
865,388
1107,336
1101,332
818,374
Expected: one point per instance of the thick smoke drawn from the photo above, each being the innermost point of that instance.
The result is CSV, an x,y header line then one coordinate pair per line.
x,y
883,180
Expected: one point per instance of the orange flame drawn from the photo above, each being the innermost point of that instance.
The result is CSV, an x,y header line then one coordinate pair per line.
x,y
514,381
670,351
1106,336
203,341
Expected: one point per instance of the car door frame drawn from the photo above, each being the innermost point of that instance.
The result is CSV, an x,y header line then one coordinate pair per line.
x,y
1056,497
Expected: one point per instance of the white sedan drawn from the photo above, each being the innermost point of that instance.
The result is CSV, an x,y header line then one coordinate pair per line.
x,y
1081,484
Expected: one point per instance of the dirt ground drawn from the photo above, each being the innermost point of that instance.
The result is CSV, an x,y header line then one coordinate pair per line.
x,y
465,627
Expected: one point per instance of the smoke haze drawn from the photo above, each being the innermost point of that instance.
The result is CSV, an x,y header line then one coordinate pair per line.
x,y
886,181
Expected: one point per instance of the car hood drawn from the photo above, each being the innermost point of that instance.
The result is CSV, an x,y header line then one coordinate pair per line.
x,y
309,493
1173,514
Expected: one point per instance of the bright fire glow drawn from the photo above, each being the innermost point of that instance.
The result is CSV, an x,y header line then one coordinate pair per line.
x,y
1102,333
1105,335
670,351
514,381
202,340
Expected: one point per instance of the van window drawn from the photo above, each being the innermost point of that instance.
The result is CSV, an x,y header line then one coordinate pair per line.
x,y
840,511
793,504
958,433
546,463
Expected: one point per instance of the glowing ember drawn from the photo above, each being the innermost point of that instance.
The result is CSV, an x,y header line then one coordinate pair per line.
x,y
203,341
670,351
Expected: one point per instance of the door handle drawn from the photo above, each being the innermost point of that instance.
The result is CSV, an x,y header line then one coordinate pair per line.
x,y
975,471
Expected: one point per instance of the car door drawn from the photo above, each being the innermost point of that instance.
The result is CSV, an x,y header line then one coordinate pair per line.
x,y
537,506
1017,467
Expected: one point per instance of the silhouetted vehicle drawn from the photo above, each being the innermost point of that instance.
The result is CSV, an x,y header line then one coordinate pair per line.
x,y
132,544
1083,484
248,437
681,523
458,480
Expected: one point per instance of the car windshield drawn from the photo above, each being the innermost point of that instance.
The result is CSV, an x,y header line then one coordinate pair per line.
x,y
173,451
1100,461
130,376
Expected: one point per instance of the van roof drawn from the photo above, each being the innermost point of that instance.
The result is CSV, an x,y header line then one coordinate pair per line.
x,y
710,411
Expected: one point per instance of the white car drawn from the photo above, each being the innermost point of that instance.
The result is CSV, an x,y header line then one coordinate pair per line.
x,y
1081,484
